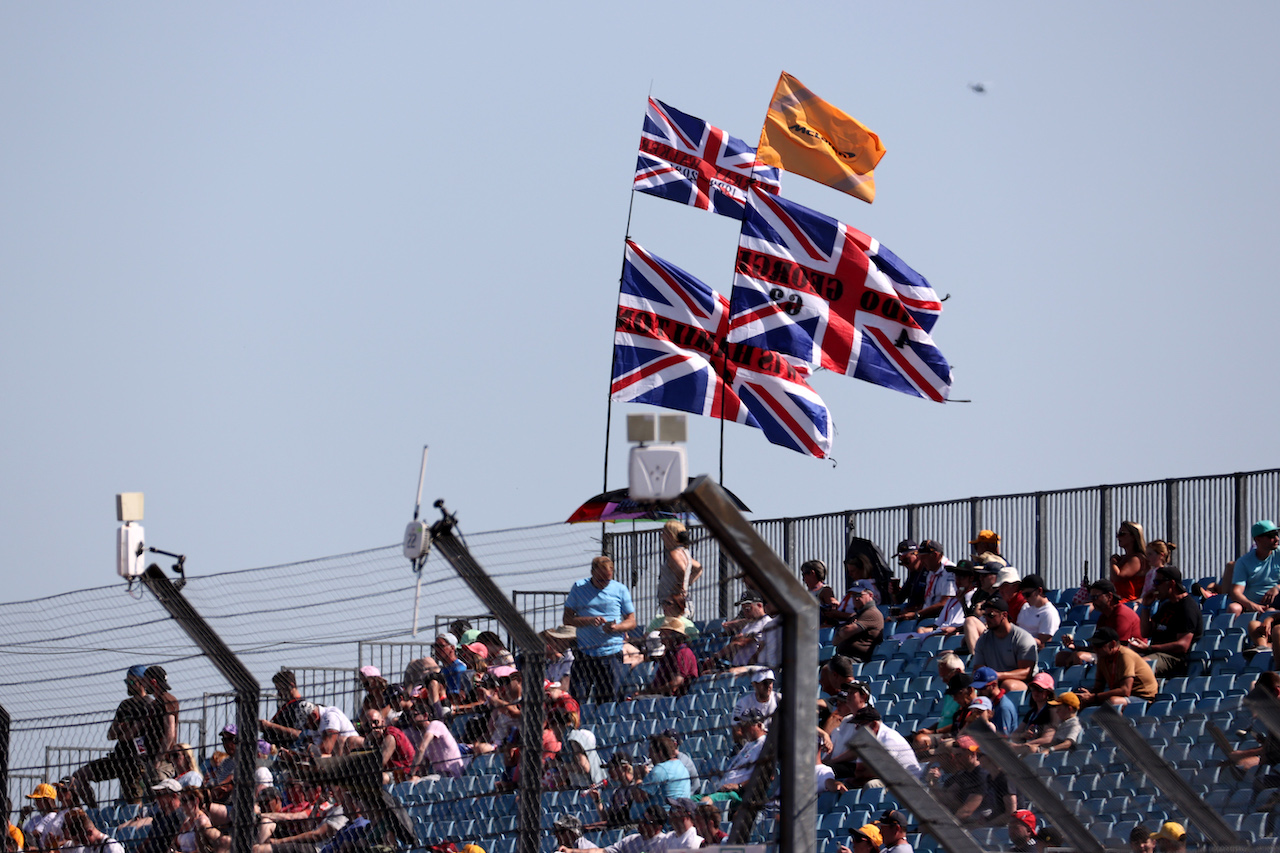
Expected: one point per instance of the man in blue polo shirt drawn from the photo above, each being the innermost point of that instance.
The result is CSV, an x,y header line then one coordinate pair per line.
x,y
1255,581
601,609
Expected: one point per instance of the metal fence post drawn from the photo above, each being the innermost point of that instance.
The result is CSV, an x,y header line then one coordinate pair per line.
x,y
1241,521
1172,511
4,763
975,517
789,542
1105,537
1042,543
913,522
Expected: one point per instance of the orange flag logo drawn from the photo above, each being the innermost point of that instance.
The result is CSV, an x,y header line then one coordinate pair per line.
x,y
806,135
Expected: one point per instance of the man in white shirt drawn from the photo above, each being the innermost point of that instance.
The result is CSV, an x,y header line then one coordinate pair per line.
x,y
644,841
684,835
940,584
762,697
869,718
328,730
1037,617
751,729
755,643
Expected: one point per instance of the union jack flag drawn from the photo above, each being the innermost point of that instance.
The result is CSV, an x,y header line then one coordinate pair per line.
x,y
811,287
684,159
670,351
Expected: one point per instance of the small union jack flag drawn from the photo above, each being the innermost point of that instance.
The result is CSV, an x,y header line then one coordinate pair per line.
x,y
684,159
670,351
811,287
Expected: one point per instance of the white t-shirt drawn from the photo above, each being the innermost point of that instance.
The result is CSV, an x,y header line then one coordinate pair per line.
x,y
822,775
766,628
40,825
1039,620
106,845
687,840
899,749
749,702
332,720
940,584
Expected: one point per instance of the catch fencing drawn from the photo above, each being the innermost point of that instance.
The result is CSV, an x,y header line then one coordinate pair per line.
x,y
1062,535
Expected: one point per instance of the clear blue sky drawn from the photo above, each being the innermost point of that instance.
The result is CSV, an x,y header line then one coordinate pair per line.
x,y
254,256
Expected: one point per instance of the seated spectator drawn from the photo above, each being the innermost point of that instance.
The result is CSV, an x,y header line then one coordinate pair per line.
x,y
1159,553
677,668
1039,714
1022,831
1142,839
684,758
684,835
940,584
1066,724
954,613
622,791
869,718
949,666
165,818
559,697
893,829
39,830
1009,587
964,790
649,834
185,766
356,835
286,725
1255,581
1111,614
577,765
1039,618
504,695
83,837
987,572
707,821
752,733
1004,715
980,712
197,832
824,776
858,637
1171,838
375,691
435,751
568,831
1121,673
1169,634
327,731
391,743
1129,569
762,697
835,677
911,595
1265,756
559,662
863,839
755,641
1006,648
813,574
669,776
496,653
674,606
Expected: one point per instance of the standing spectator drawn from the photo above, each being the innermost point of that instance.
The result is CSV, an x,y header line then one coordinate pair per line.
x,y
762,697
1129,569
1006,648
286,725
1169,634
893,827
1120,675
679,570
859,637
677,669
127,762
1039,618
1111,614
1255,580
864,562
940,584
1004,715
908,554
674,606
601,609
165,722
559,663
456,683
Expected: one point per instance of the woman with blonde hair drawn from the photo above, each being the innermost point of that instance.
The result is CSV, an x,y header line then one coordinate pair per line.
x,y
184,762
1129,569
679,570
1159,553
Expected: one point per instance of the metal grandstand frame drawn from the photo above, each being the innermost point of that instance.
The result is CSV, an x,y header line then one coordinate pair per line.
x,y
1055,533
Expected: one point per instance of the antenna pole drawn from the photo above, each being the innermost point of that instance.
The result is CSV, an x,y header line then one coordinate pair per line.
x,y
421,561
422,475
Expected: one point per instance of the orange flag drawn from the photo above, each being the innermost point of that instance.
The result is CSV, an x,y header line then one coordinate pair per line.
x,y
806,135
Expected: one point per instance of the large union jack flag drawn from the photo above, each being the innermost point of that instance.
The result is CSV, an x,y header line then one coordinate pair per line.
x,y
811,287
670,351
684,159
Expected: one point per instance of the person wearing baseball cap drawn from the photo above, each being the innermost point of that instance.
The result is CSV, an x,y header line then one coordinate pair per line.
x,y
940,584
1004,714
864,839
858,637
1121,674
567,829
136,742
1038,715
457,685
684,835
1022,830
762,698
1169,633
1005,647
1039,617
1171,837
1255,580
41,828
912,594
893,831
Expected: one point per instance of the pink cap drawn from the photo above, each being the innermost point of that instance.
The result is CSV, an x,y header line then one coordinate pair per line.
x,y
479,649
370,672
1043,679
